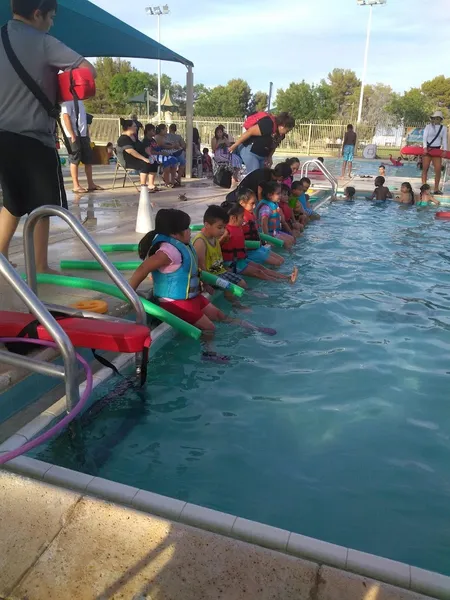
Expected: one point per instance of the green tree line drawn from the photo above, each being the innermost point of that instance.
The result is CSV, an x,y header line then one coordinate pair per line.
x,y
335,97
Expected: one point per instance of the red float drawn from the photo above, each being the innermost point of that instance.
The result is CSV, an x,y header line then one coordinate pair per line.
x,y
418,151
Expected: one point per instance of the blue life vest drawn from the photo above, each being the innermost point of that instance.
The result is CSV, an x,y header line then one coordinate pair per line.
x,y
183,283
274,219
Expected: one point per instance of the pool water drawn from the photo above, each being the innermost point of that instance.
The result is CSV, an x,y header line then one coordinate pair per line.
x,y
338,427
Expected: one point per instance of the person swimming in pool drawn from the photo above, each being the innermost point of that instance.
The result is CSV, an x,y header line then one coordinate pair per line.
x,y
406,195
381,193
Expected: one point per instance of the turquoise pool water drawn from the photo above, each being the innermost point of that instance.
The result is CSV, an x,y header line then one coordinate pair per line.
x,y
338,427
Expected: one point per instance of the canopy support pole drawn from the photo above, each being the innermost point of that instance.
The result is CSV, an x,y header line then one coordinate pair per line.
x,y
189,120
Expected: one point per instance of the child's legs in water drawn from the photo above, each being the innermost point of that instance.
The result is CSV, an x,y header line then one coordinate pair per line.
x,y
288,240
274,259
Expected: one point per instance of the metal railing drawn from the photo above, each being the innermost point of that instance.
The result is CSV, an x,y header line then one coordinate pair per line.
x,y
317,163
97,253
70,370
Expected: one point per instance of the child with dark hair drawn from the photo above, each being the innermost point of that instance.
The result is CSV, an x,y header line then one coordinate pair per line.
x,y
263,254
290,225
406,195
299,189
207,162
381,193
294,164
426,197
208,249
349,193
268,214
167,253
235,254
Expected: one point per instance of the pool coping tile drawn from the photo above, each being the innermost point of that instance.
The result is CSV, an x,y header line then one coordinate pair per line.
x,y
75,480
24,465
378,567
430,583
156,504
259,533
111,490
207,518
38,424
318,550
13,442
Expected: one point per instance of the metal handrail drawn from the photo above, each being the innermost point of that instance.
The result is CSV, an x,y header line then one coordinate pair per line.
x,y
70,371
97,253
325,171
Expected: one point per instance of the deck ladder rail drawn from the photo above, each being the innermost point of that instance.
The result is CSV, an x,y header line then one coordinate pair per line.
x,y
317,163
68,373
94,249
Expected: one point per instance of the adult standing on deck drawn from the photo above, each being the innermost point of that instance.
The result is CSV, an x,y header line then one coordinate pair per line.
x,y
264,133
348,150
30,171
434,138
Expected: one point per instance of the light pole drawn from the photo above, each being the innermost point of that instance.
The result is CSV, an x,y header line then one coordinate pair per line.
x,y
370,4
158,11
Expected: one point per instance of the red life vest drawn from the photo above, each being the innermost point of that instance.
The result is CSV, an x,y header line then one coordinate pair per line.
x,y
249,227
287,211
253,120
79,83
234,249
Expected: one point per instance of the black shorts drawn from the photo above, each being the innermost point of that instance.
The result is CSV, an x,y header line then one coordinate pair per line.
x,y
30,174
139,165
81,152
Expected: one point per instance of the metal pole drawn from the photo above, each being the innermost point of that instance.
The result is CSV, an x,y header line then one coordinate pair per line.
x,y
148,104
269,102
189,121
159,71
309,139
366,55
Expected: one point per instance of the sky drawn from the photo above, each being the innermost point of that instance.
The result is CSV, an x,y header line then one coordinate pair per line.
x,y
261,41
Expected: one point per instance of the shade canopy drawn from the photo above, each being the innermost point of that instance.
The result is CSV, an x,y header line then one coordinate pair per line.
x,y
167,102
141,99
91,31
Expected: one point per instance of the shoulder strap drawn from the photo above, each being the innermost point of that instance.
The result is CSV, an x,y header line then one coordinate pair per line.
x,y
53,110
429,144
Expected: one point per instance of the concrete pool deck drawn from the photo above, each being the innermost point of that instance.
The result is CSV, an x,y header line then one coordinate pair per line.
x,y
56,543
59,544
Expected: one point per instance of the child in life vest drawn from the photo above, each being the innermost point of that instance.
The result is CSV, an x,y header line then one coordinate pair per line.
x,y
268,214
209,252
264,254
293,227
235,254
299,189
168,254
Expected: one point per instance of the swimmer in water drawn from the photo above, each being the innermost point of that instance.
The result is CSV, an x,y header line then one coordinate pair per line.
x,y
406,195
426,197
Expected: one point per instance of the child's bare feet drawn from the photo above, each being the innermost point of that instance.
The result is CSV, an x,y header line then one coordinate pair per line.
x,y
294,275
48,271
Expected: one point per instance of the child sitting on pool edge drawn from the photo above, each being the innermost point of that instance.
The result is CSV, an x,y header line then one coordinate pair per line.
x,y
209,252
268,213
264,254
290,225
426,197
299,189
381,193
234,251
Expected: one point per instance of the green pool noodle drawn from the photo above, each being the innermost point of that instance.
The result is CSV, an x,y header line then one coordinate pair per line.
x,y
196,227
119,247
111,290
92,265
252,244
272,240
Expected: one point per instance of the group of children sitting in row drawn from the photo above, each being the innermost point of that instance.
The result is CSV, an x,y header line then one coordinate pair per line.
x,y
220,248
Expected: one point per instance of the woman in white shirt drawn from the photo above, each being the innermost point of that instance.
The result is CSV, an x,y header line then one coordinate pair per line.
x,y
434,137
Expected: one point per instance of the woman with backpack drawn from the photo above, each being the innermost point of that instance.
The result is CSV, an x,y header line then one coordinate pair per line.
x,y
263,134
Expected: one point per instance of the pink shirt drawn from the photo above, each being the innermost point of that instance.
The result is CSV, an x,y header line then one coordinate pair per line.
x,y
173,254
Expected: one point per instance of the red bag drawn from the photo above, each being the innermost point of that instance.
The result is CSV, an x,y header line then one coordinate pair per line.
x,y
76,82
253,120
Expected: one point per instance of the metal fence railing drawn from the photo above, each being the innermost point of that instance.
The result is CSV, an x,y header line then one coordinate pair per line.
x,y
315,138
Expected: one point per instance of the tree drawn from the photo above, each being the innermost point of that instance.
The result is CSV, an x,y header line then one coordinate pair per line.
x,y
344,84
438,91
107,68
325,104
306,102
230,100
413,107
376,98
258,102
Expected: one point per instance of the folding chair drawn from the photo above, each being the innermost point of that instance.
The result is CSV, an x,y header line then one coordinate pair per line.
x,y
126,176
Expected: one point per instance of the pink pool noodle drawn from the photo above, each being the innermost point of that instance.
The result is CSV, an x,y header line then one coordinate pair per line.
x,y
64,421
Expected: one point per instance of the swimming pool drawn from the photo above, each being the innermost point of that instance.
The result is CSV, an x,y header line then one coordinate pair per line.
x,y
337,427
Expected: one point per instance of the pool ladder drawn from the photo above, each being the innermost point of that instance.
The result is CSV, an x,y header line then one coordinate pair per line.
x,y
28,293
316,163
